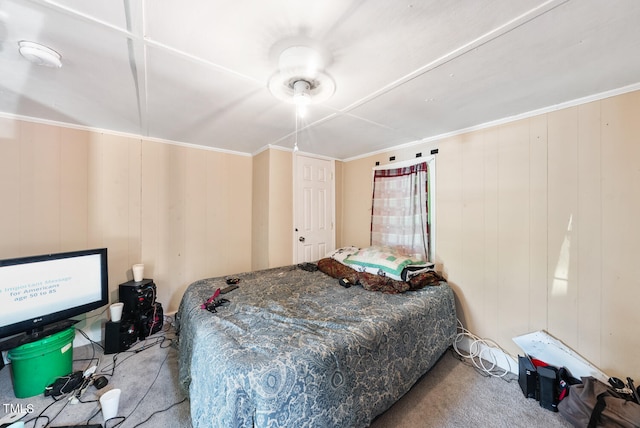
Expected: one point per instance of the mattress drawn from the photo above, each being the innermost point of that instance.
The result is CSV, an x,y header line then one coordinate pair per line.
x,y
293,348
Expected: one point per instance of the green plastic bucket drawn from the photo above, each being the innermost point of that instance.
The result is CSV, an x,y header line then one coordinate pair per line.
x,y
38,364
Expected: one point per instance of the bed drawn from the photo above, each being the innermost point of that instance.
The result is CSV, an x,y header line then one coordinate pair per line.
x,y
293,348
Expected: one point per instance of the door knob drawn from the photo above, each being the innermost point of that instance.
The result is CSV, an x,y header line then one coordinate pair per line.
x,y
301,239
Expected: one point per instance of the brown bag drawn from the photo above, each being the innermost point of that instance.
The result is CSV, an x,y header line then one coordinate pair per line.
x,y
594,404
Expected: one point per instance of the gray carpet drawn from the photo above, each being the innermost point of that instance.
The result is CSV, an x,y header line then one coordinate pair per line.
x,y
146,374
452,394
455,394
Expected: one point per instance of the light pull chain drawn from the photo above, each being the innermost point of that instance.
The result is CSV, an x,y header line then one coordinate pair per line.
x,y
295,145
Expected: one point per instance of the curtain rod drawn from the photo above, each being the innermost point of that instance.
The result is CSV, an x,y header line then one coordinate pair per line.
x,y
405,163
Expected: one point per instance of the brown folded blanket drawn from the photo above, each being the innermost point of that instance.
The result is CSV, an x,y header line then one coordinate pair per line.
x,y
372,282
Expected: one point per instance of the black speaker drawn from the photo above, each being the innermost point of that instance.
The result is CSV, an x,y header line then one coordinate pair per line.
x,y
119,336
150,320
527,377
141,312
548,386
112,337
137,296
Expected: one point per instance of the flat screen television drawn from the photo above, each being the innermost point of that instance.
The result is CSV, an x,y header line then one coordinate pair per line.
x,y
40,294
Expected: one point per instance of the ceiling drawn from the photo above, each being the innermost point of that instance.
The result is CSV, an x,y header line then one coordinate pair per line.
x,y
197,71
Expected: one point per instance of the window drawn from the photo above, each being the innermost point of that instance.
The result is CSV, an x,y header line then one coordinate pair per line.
x,y
402,207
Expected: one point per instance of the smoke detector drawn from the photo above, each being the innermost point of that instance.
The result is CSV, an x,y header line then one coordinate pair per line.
x,y
39,54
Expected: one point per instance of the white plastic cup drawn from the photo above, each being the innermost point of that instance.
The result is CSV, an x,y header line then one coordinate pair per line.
x,y
109,402
115,310
138,272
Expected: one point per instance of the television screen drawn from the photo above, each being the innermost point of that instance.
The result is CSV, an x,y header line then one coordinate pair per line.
x,y
38,291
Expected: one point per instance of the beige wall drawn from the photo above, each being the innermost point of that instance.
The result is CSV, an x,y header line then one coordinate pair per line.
x,y
339,201
280,208
196,216
272,209
537,227
184,212
260,207
354,221
536,219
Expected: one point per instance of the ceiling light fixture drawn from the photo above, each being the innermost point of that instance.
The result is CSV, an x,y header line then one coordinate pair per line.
x,y
305,65
301,80
39,54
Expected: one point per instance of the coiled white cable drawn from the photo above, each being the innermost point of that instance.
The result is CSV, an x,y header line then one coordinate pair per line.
x,y
478,349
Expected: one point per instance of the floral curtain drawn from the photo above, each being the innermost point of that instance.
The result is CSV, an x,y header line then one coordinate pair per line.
x,y
400,210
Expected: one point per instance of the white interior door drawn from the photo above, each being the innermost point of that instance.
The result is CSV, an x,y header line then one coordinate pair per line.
x,y
314,208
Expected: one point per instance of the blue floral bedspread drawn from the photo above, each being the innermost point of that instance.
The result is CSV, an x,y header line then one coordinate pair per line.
x,y
295,349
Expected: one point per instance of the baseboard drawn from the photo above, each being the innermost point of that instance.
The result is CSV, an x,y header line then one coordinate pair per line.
x,y
491,355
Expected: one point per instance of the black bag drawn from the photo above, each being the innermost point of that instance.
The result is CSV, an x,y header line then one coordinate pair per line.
x,y
64,384
593,404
